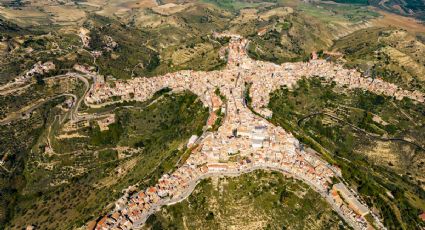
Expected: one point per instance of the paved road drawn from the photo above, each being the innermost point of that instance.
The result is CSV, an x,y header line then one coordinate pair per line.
x,y
16,115
235,173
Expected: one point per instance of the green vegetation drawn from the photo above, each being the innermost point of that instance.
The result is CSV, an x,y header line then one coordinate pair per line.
x,y
149,51
128,54
30,48
290,39
363,2
258,200
294,36
138,52
411,8
58,176
394,55
218,121
220,115
17,139
337,12
36,93
353,130
235,5
75,184
9,29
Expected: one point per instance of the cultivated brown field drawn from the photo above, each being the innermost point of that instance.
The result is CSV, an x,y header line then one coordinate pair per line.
x,y
394,20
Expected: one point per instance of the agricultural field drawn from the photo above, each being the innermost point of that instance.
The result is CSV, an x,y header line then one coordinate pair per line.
x,y
258,200
377,141
173,37
293,33
413,8
58,174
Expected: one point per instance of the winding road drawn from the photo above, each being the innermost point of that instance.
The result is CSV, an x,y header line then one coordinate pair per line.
x,y
238,117
192,185
73,114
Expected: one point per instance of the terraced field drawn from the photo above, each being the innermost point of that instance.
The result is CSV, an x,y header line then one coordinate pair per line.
x,y
393,54
377,142
92,168
58,175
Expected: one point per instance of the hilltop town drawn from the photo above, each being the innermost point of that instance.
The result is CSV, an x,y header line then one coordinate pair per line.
x,y
265,78
145,114
244,132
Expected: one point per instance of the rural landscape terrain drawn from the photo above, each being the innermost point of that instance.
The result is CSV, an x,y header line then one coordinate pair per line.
x,y
212,114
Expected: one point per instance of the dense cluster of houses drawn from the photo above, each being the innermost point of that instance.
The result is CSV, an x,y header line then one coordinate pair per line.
x,y
264,76
244,142
277,150
272,77
343,196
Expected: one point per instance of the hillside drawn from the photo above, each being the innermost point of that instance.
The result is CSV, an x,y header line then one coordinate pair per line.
x,y
85,124
256,200
412,8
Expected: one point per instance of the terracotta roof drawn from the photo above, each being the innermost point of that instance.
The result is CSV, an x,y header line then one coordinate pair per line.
x,y
115,215
91,225
212,119
422,216
101,223
141,195
152,190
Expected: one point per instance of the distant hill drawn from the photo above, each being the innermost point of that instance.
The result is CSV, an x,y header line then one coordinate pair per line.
x,y
364,2
9,28
414,8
